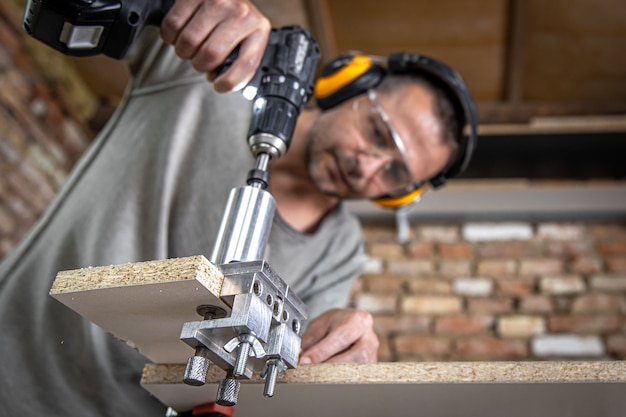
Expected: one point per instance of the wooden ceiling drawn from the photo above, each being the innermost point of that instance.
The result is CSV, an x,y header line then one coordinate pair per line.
x,y
522,59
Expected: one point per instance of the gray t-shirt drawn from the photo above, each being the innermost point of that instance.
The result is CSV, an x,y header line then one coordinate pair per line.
x,y
153,185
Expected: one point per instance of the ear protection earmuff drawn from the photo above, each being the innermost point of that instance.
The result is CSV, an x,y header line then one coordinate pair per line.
x,y
350,75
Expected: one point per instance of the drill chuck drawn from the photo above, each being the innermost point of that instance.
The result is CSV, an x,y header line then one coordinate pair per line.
x,y
284,84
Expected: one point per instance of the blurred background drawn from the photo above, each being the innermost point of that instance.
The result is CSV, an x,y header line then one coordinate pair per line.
x,y
524,257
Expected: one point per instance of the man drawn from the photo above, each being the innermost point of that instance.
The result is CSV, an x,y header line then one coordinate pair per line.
x,y
154,183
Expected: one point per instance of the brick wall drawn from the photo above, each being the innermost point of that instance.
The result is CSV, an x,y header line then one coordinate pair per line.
x,y
497,291
41,132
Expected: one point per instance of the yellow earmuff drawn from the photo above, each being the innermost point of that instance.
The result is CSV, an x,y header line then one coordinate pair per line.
x,y
399,201
345,74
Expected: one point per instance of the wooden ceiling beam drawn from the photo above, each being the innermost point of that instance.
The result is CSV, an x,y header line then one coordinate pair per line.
x,y
515,51
322,26
524,112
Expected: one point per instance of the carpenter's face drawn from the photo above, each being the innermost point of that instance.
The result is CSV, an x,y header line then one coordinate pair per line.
x,y
375,144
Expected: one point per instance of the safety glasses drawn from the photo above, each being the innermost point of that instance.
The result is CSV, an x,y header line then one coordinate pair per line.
x,y
386,143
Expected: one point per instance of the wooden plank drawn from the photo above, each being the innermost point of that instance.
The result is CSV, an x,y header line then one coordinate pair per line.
x,y
401,389
145,302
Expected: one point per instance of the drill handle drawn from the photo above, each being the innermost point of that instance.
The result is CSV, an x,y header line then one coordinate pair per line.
x,y
134,16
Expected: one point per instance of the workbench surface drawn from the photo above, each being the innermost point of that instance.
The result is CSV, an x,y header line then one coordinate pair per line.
x,y
468,389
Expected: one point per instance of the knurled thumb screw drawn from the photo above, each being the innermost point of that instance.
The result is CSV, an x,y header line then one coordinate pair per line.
x,y
228,391
197,367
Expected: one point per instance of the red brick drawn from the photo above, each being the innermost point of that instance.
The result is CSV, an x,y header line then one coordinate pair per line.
x,y
586,265
431,304
562,285
598,303
562,303
511,249
35,176
376,233
606,230
497,268
567,345
516,287
75,140
374,266
420,249
429,286
385,325
609,283
376,303
384,283
519,326
560,231
455,250
437,233
10,40
410,267
385,250
460,324
410,347
473,287
7,222
537,304
455,268
617,264
616,345
22,87
565,249
613,247
540,266
15,143
497,231
587,324
27,191
491,348
489,305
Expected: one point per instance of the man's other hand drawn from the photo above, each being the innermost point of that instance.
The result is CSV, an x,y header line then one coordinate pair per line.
x,y
206,31
340,336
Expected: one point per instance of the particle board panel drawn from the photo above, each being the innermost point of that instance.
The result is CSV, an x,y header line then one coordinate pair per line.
x,y
144,303
482,389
